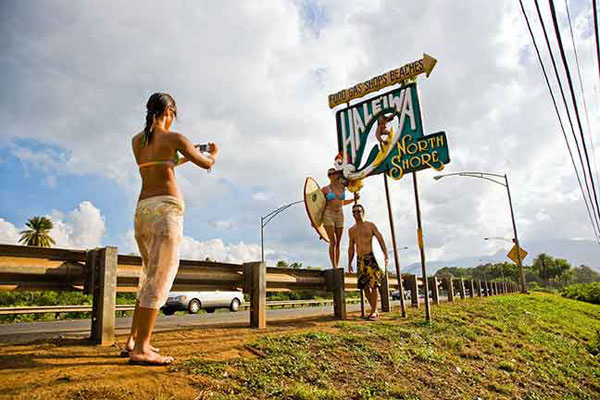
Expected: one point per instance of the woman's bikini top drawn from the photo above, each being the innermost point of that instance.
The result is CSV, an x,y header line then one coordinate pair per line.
x,y
332,196
172,162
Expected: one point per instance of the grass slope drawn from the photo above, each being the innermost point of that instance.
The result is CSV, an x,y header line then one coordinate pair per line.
x,y
531,347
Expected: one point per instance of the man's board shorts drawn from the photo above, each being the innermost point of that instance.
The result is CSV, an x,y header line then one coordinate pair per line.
x,y
158,227
369,274
333,218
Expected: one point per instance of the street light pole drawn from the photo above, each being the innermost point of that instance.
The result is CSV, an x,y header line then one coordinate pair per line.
x,y
495,179
514,224
264,220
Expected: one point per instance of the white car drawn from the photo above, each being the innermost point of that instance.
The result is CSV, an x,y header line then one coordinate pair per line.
x,y
208,301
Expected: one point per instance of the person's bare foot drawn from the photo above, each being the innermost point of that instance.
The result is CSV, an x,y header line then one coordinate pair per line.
x,y
129,349
149,359
131,344
374,316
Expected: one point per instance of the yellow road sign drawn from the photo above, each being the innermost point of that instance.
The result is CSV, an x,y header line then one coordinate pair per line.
x,y
397,75
512,254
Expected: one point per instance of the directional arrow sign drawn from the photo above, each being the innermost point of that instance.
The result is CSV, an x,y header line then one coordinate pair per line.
x,y
408,71
512,254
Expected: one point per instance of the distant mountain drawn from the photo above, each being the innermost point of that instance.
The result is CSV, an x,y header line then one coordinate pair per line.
x,y
576,252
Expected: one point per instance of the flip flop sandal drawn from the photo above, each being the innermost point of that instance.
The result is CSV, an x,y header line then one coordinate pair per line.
x,y
373,317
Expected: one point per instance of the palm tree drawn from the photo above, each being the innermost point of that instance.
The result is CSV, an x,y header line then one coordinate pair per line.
x,y
38,234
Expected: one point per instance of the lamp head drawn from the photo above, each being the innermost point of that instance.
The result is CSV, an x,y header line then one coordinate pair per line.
x,y
438,177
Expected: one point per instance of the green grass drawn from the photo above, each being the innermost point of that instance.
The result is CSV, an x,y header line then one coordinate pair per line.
x,y
533,347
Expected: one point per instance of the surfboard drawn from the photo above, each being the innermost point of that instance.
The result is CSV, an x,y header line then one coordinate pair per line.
x,y
314,201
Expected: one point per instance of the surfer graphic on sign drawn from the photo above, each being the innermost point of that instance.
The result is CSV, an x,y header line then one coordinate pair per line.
x,y
365,137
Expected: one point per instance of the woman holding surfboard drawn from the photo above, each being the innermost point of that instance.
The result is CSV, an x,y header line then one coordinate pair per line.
x,y
333,215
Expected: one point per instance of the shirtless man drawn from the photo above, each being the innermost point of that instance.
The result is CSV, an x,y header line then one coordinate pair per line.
x,y
369,274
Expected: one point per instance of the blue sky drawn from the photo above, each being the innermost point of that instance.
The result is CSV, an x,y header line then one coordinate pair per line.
x,y
255,78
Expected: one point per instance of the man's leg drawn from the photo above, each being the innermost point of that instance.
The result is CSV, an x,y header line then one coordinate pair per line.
x,y
369,294
373,300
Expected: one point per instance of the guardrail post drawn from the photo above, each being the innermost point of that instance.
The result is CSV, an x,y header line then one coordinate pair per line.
x,y
471,288
413,284
435,293
88,271
104,290
461,288
334,281
385,292
449,287
256,285
256,282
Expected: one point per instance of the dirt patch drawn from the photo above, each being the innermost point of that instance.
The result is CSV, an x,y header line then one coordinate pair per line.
x,y
76,369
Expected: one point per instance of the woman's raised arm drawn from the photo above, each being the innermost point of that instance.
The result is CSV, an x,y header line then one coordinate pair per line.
x,y
192,154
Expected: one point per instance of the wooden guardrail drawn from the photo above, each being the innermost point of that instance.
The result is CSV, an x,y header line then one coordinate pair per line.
x,y
103,272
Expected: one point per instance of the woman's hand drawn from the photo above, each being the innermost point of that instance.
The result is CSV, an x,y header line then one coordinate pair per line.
x,y
213,149
192,153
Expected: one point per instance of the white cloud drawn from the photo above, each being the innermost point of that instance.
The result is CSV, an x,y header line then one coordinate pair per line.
x,y
82,227
255,78
260,196
217,250
224,224
9,234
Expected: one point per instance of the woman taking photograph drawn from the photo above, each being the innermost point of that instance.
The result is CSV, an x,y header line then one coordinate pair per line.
x,y
333,215
158,219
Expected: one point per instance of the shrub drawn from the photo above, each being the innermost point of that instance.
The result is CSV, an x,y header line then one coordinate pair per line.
x,y
589,292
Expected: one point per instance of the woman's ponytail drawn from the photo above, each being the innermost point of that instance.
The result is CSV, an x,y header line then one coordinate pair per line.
x,y
149,128
157,104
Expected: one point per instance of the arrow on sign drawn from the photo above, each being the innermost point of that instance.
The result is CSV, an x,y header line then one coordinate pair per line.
x,y
408,71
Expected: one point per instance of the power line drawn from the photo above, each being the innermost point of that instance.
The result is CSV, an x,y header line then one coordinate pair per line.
x,y
597,38
585,106
562,92
592,220
573,98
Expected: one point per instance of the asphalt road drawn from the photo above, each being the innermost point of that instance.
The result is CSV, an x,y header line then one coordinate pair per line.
x,y
80,328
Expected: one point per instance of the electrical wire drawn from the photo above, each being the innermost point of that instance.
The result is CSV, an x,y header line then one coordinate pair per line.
x,y
595,10
585,106
574,100
593,221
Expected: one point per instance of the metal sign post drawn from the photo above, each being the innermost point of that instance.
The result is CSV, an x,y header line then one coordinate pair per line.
x,y
421,250
395,246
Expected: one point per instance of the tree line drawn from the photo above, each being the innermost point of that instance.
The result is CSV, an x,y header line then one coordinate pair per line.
x,y
545,271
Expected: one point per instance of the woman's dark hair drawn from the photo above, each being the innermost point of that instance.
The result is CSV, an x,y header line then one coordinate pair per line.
x,y
156,105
